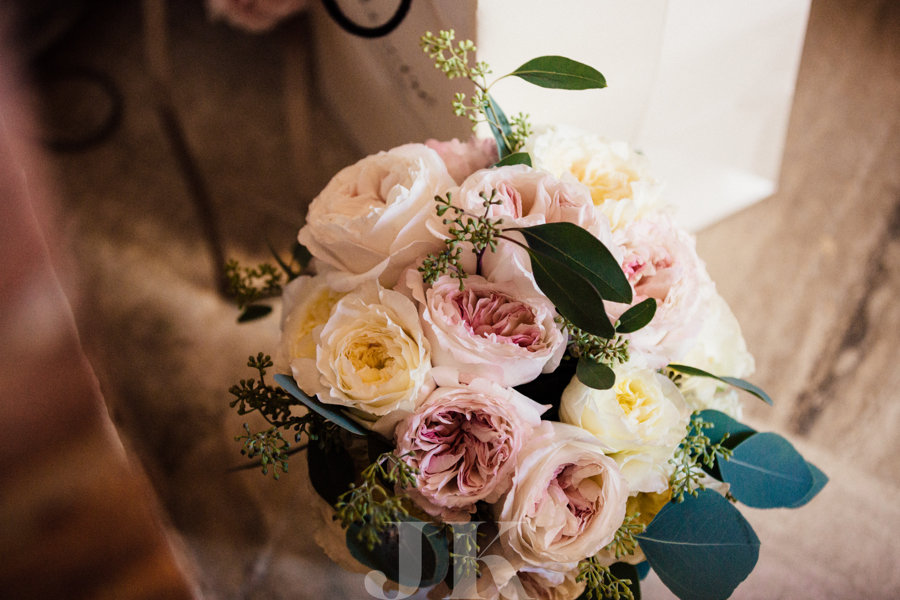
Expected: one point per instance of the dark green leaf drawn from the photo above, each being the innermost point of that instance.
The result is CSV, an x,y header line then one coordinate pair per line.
x,y
643,569
331,471
767,472
559,72
301,255
572,295
702,548
284,266
733,381
548,388
426,552
254,312
819,481
495,117
519,158
637,317
330,412
580,251
595,375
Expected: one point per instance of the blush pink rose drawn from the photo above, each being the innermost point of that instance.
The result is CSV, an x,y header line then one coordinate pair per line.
x,y
567,499
254,16
502,331
661,262
465,439
463,159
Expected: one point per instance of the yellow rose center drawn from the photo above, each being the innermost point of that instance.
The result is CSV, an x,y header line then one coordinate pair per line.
x,y
605,185
634,398
314,312
370,359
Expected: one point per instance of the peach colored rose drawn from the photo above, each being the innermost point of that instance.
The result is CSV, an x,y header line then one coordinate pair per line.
x,y
463,159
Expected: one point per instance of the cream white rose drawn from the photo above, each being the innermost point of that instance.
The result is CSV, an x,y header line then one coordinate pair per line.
x,y
370,220
567,500
720,349
371,355
306,304
501,331
618,178
642,419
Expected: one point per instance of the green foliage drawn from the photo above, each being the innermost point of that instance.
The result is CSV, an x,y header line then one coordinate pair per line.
x,y
609,351
637,317
333,414
695,449
248,284
624,543
453,60
465,550
559,72
519,158
481,232
251,395
370,505
732,381
601,583
269,446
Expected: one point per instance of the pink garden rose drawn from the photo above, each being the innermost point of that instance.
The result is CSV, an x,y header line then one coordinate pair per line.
x,y
255,16
502,331
661,262
567,500
465,439
463,159
370,220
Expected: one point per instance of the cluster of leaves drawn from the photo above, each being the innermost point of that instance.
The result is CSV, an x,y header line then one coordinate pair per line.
x,y
695,450
252,284
370,505
624,543
269,445
602,584
482,232
465,550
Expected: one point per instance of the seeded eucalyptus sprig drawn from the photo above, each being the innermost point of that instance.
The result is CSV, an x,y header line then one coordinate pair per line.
x,y
480,231
251,284
624,543
372,507
609,351
601,583
453,60
695,450
269,446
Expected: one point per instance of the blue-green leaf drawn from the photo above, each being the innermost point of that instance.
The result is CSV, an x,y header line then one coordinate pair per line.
x,y
572,295
767,472
702,548
733,381
637,317
426,550
723,424
332,413
519,158
595,375
580,251
819,481
254,312
643,569
559,72
495,117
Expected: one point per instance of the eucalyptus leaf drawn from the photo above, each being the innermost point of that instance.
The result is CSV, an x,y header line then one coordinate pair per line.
x,y
702,548
332,413
425,551
637,317
819,481
496,116
572,295
519,158
582,252
767,472
723,424
254,312
595,375
331,470
732,381
559,72
643,569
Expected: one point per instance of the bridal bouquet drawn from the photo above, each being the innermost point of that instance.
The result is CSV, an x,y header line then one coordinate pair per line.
x,y
509,370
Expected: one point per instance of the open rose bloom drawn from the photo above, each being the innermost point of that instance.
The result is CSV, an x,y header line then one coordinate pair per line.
x,y
451,374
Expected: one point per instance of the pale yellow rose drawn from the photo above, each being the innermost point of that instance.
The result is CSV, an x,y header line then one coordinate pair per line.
x,y
306,304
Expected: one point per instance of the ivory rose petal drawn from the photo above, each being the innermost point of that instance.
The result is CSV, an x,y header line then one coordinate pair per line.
x,y
370,220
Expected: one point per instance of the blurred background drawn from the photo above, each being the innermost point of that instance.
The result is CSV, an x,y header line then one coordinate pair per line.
x,y
145,142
